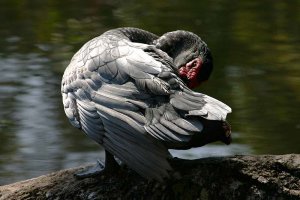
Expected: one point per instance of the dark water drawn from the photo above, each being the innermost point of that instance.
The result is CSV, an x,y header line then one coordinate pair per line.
x,y
256,48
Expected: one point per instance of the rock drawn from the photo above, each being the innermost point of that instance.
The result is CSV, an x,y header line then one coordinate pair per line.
x,y
235,177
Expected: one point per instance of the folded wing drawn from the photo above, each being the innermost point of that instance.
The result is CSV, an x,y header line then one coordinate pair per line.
x,y
130,101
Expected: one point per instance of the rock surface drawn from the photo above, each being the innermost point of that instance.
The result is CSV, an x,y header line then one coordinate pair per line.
x,y
236,177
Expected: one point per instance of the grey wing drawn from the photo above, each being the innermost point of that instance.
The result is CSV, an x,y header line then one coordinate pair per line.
x,y
100,97
78,105
176,121
125,136
198,104
115,121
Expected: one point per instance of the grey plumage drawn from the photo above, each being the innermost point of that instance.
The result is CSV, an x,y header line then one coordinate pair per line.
x,y
124,93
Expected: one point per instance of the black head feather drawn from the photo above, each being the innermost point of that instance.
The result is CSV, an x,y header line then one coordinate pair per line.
x,y
184,46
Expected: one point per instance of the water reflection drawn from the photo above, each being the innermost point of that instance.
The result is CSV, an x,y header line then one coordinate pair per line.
x,y
30,124
255,45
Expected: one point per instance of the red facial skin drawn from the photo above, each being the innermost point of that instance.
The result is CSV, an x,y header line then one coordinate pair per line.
x,y
190,72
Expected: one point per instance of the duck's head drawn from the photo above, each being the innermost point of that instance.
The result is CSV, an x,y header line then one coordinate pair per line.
x,y
190,54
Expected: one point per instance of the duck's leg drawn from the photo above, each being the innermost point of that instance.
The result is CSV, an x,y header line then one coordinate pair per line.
x,y
99,168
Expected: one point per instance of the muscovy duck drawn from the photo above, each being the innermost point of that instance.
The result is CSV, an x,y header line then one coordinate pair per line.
x,y
130,91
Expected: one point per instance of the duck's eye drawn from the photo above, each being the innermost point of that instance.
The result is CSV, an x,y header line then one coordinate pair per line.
x,y
194,64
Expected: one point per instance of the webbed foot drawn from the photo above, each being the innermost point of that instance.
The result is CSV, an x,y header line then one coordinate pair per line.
x,y
91,171
110,167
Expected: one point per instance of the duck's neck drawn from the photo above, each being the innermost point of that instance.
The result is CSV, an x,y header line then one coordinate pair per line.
x,y
136,35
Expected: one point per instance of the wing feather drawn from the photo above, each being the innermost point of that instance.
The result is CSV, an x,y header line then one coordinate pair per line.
x,y
197,104
189,125
110,101
90,121
131,144
173,127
